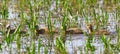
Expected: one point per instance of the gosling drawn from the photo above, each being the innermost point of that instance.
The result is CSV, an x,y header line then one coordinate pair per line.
x,y
97,32
74,31
11,31
43,30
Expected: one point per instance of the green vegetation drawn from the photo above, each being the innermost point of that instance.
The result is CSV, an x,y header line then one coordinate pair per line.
x,y
48,13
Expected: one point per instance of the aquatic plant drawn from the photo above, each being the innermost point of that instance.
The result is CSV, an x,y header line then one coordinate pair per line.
x,y
107,44
39,45
66,12
60,46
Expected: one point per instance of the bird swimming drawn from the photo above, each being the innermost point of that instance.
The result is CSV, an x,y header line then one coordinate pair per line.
x,y
96,32
11,31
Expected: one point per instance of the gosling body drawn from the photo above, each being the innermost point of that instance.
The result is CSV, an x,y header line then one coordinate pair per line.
x,y
96,32
43,30
74,31
11,31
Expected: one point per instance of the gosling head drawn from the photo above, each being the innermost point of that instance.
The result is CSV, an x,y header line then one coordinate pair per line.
x,y
8,26
89,27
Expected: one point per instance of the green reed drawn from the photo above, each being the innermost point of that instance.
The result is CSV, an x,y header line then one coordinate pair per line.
x,y
60,41
4,15
86,18
0,46
118,34
68,7
91,2
39,45
50,31
118,39
31,25
22,18
18,37
50,25
105,18
18,43
107,45
45,50
28,49
60,47
4,10
63,28
107,2
7,39
33,21
36,7
97,19
33,48
46,4
81,6
89,46
56,4
116,47
105,41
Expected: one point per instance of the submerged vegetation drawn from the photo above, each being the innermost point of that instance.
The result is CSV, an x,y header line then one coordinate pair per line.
x,y
59,26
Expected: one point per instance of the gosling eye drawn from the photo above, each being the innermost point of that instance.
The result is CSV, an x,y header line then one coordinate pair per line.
x,y
87,25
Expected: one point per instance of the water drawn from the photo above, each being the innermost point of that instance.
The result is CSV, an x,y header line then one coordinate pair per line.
x,y
74,43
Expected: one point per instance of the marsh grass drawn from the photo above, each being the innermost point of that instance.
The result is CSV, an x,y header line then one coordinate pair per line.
x,y
18,43
39,45
56,2
97,19
107,45
4,15
7,38
63,28
28,49
4,10
60,46
0,46
50,32
33,21
105,18
89,48
33,48
118,33
29,15
118,39
46,50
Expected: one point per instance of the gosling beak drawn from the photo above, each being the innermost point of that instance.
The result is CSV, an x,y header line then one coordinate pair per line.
x,y
7,25
1,24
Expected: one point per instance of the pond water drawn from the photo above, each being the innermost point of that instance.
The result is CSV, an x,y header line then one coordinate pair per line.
x,y
75,43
